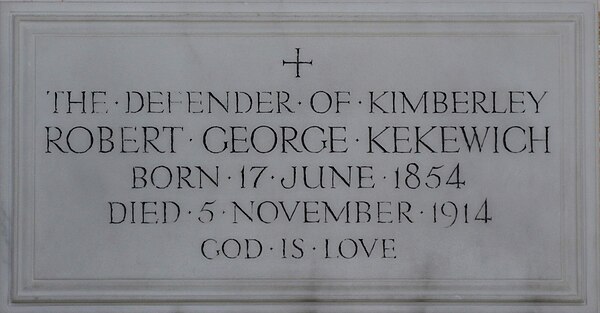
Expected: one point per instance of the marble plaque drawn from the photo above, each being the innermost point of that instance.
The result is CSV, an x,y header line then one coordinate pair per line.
x,y
299,157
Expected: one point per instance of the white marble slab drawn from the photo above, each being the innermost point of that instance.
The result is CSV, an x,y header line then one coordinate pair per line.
x,y
299,157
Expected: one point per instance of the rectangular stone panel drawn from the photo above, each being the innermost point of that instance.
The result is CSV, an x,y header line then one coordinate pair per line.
x,y
299,157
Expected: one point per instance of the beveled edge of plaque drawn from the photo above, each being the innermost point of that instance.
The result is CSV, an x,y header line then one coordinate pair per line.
x,y
9,162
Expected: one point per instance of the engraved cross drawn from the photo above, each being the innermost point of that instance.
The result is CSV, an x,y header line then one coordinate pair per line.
x,y
297,62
